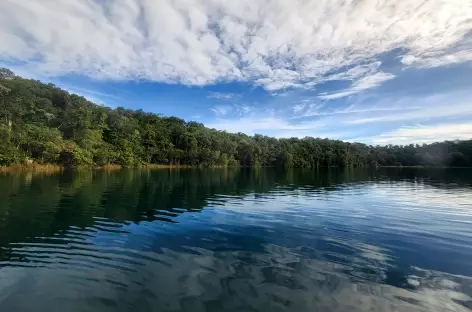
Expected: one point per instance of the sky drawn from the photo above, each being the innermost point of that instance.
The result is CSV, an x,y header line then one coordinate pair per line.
x,y
373,71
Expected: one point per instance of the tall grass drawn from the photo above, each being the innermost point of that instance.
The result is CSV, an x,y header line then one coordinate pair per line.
x,y
32,167
108,167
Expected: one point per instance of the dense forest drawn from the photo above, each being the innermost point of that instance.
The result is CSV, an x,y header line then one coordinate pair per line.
x,y
44,124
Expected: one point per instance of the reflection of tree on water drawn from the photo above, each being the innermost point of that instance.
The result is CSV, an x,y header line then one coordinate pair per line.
x,y
98,231
41,205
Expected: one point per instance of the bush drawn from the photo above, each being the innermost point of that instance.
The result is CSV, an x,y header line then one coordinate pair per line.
x,y
10,155
74,156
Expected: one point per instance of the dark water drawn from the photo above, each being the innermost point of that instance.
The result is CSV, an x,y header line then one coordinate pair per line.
x,y
226,240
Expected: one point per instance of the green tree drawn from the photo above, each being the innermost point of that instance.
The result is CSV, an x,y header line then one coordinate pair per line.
x,y
41,143
47,124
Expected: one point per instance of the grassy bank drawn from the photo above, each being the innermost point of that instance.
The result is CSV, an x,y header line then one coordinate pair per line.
x,y
108,167
32,168
112,167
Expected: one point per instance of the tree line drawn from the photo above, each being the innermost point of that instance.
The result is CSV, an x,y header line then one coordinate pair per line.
x,y
42,123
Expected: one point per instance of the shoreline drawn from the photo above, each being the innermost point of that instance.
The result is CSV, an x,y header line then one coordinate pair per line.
x,y
110,167
113,167
426,167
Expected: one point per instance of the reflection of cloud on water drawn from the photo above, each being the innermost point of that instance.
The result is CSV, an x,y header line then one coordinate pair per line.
x,y
277,279
426,198
420,224
144,267
417,195
315,250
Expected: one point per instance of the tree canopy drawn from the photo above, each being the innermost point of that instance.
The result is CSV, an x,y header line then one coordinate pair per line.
x,y
46,124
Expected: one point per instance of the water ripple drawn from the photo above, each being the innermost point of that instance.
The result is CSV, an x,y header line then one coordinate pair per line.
x,y
227,241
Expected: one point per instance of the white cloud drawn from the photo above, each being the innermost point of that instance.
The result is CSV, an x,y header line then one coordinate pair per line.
x,y
222,96
364,83
279,127
297,108
254,125
235,110
244,109
273,43
426,134
458,54
360,120
307,109
97,97
302,110
423,109
221,110
80,90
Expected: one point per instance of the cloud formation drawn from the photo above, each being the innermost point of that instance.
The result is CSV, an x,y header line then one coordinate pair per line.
x,y
221,110
222,96
426,134
236,110
253,125
276,44
357,119
426,108
364,83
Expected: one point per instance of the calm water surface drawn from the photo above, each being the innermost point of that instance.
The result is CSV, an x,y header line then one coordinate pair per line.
x,y
237,240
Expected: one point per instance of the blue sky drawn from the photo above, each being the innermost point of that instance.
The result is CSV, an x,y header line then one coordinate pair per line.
x,y
374,71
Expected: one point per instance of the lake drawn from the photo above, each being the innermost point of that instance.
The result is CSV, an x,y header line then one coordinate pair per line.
x,y
237,240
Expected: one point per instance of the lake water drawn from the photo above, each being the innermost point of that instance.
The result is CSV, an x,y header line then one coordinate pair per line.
x,y
237,240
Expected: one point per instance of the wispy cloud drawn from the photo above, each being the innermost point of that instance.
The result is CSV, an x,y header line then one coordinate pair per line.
x,y
258,125
362,84
450,105
221,110
293,49
236,110
426,134
298,108
303,110
223,95
92,95
280,127
274,44
86,91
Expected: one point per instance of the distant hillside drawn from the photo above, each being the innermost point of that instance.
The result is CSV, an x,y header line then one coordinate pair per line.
x,y
46,124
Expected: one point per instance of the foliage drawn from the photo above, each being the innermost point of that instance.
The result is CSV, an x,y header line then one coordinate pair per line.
x,y
46,124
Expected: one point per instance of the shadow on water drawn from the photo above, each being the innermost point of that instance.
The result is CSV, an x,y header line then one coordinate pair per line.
x,y
237,240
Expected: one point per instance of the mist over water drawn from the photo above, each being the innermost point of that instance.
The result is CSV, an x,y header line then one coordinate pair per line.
x,y
237,240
